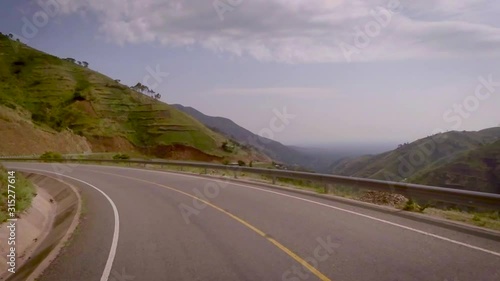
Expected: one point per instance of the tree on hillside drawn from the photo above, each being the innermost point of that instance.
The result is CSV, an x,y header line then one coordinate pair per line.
x,y
118,80
228,147
140,88
81,63
11,35
145,90
403,145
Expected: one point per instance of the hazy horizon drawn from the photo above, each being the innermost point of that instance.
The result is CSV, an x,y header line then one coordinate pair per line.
x,y
301,72
382,146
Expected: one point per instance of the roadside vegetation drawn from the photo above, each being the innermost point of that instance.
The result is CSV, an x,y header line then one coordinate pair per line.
x,y
121,156
25,192
484,219
49,155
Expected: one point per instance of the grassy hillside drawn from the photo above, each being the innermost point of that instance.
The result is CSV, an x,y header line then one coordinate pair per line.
x,y
434,160
45,95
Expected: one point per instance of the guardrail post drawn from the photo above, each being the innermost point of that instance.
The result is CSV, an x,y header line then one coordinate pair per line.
x,y
274,179
326,188
235,174
206,172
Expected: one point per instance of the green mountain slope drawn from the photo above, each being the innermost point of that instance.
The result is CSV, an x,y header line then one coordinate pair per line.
x,y
477,170
430,159
275,150
44,94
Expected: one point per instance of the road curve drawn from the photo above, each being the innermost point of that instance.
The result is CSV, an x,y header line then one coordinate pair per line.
x,y
181,227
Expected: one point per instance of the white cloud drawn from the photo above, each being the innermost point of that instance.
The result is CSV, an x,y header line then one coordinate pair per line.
x,y
303,31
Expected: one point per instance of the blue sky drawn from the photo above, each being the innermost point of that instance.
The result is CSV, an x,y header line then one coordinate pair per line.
x,y
345,71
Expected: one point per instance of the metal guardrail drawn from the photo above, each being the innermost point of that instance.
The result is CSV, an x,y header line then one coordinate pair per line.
x,y
414,191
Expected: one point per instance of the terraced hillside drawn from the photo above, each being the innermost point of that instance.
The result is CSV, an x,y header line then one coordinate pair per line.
x,y
43,96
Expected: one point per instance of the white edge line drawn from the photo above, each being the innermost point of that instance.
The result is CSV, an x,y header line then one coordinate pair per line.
x,y
335,208
114,243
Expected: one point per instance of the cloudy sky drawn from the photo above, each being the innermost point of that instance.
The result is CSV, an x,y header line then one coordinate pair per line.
x,y
299,71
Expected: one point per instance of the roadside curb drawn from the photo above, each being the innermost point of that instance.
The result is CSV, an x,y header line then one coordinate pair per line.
x,y
66,211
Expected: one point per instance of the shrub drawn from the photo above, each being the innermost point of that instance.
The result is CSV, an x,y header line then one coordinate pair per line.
x,y
50,155
77,96
37,117
241,163
476,218
19,63
11,105
494,215
35,83
121,156
227,147
413,206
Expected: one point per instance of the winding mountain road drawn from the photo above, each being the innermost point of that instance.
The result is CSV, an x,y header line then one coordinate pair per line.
x,y
151,225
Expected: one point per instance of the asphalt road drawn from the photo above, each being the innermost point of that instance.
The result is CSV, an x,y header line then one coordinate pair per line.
x,y
147,225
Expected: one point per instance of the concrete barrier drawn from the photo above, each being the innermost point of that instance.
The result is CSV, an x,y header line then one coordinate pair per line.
x,y
44,229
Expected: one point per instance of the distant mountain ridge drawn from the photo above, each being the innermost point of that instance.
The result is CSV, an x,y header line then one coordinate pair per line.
x,y
275,150
451,159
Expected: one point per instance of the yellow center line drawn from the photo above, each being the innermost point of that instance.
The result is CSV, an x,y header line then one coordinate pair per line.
x,y
280,246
